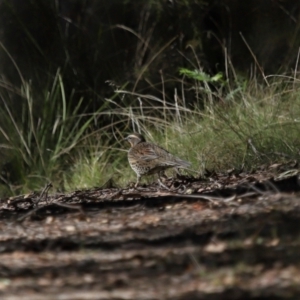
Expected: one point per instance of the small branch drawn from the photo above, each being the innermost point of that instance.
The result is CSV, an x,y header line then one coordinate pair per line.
x,y
44,192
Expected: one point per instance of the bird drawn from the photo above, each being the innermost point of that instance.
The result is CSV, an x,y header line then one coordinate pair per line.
x,y
146,158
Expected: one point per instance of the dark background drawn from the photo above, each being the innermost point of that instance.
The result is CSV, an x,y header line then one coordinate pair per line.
x,y
138,42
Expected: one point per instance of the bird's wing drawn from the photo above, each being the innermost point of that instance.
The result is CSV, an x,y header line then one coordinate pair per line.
x,y
147,154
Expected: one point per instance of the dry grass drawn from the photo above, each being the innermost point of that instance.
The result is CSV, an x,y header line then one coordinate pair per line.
x,y
241,127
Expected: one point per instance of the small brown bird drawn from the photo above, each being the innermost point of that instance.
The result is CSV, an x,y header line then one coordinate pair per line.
x,y
147,158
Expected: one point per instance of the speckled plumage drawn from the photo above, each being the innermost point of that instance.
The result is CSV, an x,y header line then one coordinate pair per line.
x,y
146,158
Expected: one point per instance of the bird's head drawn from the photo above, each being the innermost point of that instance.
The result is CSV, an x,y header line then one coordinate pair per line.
x,y
134,139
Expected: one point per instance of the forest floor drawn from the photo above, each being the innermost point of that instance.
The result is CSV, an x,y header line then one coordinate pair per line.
x,y
234,235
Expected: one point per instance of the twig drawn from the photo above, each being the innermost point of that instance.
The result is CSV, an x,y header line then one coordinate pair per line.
x,y
71,206
29,214
44,192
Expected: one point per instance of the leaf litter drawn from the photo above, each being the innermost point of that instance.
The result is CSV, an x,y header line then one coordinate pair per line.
x,y
230,235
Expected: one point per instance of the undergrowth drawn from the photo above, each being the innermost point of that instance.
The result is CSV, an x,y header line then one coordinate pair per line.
x,y
241,124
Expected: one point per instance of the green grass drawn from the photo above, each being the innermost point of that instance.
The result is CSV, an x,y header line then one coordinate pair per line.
x,y
257,125
38,142
242,125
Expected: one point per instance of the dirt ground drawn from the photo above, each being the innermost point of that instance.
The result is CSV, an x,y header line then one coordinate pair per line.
x,y
229,236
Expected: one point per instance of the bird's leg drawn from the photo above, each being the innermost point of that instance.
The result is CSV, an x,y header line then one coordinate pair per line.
x,y
137,181
162,185
177,171
162,174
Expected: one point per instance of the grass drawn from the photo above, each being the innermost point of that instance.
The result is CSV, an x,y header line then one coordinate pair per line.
x,y
241,125
251,125
38,142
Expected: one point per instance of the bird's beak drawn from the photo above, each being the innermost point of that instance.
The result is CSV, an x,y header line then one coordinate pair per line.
x,y
125,139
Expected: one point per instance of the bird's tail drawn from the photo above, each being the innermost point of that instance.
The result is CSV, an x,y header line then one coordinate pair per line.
x,y
182,163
